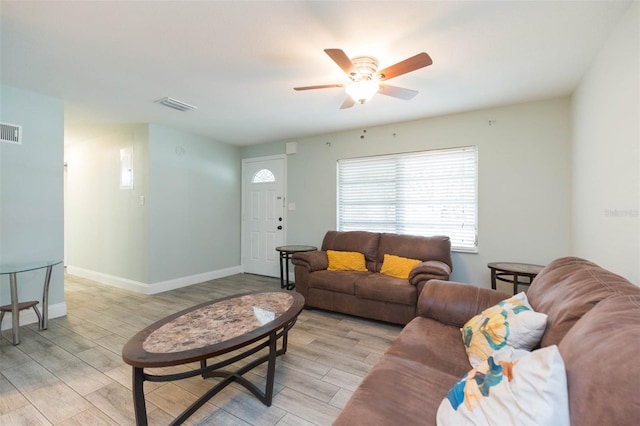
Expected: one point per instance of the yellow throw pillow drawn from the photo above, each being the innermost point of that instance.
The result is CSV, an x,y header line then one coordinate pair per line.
x,y
346,261
397,266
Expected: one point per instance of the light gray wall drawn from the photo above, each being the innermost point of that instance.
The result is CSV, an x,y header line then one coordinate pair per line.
x,y
194,204
31,188
606,154
524,178
187,228
107,235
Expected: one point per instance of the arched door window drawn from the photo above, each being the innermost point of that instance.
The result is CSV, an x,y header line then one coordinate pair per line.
x,y
263,176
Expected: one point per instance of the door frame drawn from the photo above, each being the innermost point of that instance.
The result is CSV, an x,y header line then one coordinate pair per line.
x,y
243,189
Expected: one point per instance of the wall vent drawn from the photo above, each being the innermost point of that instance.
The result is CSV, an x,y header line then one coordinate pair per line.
x,y
11,133
176,104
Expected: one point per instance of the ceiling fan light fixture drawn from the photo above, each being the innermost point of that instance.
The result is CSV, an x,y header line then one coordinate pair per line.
x,y
362,91
366,80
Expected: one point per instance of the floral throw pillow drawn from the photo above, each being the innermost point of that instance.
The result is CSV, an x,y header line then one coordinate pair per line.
x,y
512,387
511,322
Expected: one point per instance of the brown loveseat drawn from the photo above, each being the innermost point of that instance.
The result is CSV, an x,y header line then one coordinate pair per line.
x,y
371,294
593,317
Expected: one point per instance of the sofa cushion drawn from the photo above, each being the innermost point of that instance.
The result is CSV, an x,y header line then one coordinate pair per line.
x,y
414,247
601,357
360,241
398,391
338,281
397,266
511,387
511,322
569,287
410,379
386,288
432,343
346,261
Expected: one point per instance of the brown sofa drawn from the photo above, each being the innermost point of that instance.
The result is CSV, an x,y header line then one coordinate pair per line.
x,y
371,294
593,317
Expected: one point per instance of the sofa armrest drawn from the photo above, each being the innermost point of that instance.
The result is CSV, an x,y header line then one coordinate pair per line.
x,y
455,303
429,270
312,260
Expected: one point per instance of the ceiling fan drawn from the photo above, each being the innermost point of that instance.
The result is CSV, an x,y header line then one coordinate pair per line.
x,y
366,79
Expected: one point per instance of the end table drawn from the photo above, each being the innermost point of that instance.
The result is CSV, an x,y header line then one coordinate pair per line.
x,y
285,256
515,271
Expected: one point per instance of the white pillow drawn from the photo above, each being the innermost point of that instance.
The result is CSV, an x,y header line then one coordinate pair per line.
x,y
512,387
511,322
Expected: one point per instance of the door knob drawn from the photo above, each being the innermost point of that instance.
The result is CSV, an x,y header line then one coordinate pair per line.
x,y
279,226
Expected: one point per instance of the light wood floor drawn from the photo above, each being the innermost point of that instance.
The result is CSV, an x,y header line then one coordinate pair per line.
x,y
73,373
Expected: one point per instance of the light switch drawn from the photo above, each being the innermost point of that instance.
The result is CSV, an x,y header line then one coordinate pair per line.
x,y
142,200
292,206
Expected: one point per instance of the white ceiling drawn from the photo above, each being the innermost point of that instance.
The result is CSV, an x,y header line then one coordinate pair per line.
x,y
238,61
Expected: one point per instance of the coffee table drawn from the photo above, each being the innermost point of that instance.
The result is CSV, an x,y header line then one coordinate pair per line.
x,y
212,329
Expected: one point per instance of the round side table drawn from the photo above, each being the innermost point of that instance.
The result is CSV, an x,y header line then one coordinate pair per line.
x,y
514,270
285,256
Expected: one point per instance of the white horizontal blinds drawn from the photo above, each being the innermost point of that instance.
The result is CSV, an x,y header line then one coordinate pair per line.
x,y
425,193
367,194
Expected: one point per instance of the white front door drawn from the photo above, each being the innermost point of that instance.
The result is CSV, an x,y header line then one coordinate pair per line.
x,y
263,214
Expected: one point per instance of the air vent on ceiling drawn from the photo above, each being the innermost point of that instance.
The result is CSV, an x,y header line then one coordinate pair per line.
x,y
11,133
176,104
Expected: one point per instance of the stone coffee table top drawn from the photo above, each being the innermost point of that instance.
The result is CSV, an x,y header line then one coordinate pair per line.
x,y
213,327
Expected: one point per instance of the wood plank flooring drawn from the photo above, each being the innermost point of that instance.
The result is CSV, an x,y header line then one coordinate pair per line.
x,y
73,373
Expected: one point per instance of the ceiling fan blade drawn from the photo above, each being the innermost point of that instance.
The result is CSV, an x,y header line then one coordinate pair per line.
x,y
348,103
397,92
413,63
321,86
341,58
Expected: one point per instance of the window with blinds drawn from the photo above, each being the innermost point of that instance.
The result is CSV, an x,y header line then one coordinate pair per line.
x,y
423,193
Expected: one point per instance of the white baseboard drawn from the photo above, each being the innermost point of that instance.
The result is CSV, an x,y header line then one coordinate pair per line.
x,y
29,316
161,286
107,279
152,288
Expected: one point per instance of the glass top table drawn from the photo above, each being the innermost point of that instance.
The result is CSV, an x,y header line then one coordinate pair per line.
x,y
13,269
